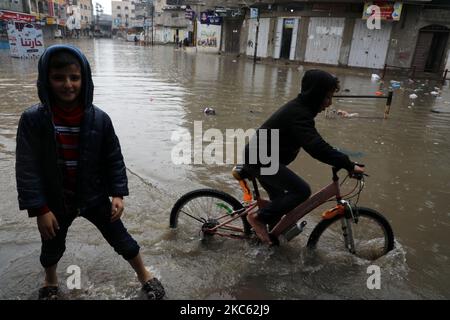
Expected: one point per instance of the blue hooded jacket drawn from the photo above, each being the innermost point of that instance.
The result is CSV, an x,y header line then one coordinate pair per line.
x,y
101,171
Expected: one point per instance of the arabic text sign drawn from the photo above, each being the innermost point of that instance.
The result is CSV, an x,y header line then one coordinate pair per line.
x,y
25,40
9,15
206,18
388,11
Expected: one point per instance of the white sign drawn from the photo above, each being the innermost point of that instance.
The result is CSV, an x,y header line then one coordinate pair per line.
x,y
253,13
25,40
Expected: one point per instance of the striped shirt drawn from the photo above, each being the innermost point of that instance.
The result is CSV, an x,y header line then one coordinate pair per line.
x,y
67,129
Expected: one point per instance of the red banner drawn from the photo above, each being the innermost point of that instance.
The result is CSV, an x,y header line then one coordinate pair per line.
x,y
17,16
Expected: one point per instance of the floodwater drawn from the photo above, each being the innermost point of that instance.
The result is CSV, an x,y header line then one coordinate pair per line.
x,y
152,92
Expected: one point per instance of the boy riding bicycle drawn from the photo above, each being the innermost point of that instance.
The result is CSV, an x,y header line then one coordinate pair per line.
x,y
295,124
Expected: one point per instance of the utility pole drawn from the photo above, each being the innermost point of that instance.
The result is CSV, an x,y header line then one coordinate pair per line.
x,y
256,36
153,19
98,11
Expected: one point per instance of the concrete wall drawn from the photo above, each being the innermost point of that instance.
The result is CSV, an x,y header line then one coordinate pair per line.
x,y
346,41
405,33
171,18
244,37
302,39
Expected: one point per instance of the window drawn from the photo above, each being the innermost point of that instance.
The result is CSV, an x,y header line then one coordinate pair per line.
x,y
118,7
126,8
119,15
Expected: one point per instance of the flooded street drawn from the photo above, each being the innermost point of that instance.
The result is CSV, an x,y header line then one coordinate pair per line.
x,y
152,92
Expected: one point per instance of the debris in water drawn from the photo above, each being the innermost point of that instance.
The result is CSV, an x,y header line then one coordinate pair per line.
x,y
209,111
346,114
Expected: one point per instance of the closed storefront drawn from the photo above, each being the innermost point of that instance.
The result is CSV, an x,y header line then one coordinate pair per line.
x,y
369,47
286,38
263,37
232,32
324,40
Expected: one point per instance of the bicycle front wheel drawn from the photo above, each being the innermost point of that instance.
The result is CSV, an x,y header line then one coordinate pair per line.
x,y
368,235
200,210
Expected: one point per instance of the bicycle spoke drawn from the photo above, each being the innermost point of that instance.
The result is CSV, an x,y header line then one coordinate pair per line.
x,y
367,238
207,210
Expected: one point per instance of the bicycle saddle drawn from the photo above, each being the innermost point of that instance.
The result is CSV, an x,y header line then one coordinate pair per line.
x,y
239,173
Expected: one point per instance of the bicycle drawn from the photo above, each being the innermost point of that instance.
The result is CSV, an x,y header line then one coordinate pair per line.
x,y
363,232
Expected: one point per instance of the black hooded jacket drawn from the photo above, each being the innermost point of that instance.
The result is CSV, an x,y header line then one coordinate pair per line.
x,y
101,170
295,122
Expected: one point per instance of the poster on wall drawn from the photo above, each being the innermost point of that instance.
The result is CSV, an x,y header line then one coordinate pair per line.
x,y
388,11
208,38
25,39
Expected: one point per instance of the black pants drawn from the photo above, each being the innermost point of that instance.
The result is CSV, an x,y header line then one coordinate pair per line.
x,y
114,232
286,191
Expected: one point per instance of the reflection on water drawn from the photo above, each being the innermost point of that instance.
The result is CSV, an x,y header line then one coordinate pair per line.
x,y
151,92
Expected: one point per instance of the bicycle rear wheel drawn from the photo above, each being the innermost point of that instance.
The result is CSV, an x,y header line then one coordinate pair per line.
x,y
369,236
202,209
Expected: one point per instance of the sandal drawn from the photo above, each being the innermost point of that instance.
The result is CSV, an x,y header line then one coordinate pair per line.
x,y
48,293
153,289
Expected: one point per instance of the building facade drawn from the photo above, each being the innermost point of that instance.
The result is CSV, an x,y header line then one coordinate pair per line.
x,y
411,34
123,15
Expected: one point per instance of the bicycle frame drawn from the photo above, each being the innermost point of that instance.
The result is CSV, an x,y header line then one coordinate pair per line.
x,y
289,219
317,199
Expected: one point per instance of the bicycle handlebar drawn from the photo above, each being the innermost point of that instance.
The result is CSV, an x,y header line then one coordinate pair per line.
x,y
357,176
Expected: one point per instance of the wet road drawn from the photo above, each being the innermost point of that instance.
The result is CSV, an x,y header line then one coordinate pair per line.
x,y
151,92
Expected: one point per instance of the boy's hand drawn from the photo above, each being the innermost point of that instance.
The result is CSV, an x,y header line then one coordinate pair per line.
x,y
47,225
116,208
358,169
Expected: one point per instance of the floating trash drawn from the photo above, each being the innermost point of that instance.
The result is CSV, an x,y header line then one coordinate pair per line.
x,y
346,114
209,111
413,96
375,77
395,84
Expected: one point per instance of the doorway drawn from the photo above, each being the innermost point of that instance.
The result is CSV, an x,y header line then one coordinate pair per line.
x,y
232,32
286,38
430,49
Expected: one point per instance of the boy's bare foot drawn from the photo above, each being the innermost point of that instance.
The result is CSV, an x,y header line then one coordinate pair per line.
x,y
259,227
